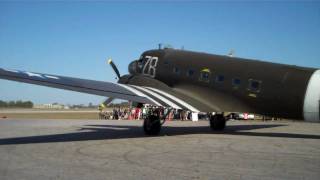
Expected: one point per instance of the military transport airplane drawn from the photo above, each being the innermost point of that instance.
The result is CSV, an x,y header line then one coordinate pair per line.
x,y
200,82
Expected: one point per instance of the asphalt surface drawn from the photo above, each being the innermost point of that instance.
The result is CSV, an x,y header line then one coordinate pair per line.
x,y
99,149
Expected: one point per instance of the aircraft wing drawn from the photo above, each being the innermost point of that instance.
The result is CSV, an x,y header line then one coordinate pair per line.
x,y
146,93
107,89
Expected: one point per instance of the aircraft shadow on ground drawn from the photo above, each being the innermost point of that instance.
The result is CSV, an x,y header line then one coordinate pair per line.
x,y
105,132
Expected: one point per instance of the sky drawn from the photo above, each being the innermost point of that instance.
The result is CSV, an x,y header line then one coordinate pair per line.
x,y
75,38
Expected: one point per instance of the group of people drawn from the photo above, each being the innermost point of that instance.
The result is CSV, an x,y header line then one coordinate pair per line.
x,y
116,113
135,113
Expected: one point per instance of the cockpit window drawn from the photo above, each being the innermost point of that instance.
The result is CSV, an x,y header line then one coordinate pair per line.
x,y
142,59
141,62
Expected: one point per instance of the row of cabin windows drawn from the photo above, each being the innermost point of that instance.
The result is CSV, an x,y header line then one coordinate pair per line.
x,y
254,85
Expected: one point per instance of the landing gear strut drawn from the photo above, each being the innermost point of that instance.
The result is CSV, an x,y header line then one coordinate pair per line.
x,y
152,125
217,122
153,122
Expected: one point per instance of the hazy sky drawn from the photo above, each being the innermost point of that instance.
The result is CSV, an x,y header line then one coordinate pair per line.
x,y
74,39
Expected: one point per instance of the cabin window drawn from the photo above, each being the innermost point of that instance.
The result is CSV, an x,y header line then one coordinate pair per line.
x,y
220,78
190,73
236,82
176,70
254,85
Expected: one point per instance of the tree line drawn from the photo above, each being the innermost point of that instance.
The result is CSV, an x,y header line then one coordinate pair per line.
x,y
16,104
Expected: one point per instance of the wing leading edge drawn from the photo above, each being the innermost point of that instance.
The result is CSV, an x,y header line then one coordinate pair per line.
x,y
100,88
136,93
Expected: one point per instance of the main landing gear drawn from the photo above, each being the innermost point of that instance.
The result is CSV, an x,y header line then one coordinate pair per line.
x,y
154,120
217,122
152,124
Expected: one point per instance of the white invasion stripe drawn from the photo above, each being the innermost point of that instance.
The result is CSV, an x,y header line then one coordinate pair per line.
x,y
52,77
139,93
193,109
31,74
167,101
11,70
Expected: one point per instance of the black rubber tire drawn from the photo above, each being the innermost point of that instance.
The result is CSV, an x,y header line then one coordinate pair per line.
x,y
217,122
152,125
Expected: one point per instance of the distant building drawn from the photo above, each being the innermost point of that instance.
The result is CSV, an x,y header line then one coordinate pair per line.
x,y
49,106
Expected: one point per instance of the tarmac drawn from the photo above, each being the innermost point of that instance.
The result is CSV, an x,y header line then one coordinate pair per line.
x,y
109,149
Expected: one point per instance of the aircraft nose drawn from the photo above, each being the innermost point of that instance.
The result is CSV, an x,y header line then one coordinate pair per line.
x,y
133,67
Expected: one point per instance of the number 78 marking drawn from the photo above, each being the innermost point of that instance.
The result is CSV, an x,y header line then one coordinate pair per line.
x,y
151,66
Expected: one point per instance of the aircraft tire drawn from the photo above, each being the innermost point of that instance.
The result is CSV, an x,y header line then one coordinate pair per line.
x,y
152,125
217,122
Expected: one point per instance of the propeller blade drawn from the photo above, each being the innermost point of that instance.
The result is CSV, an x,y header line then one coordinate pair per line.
x,y
114,67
